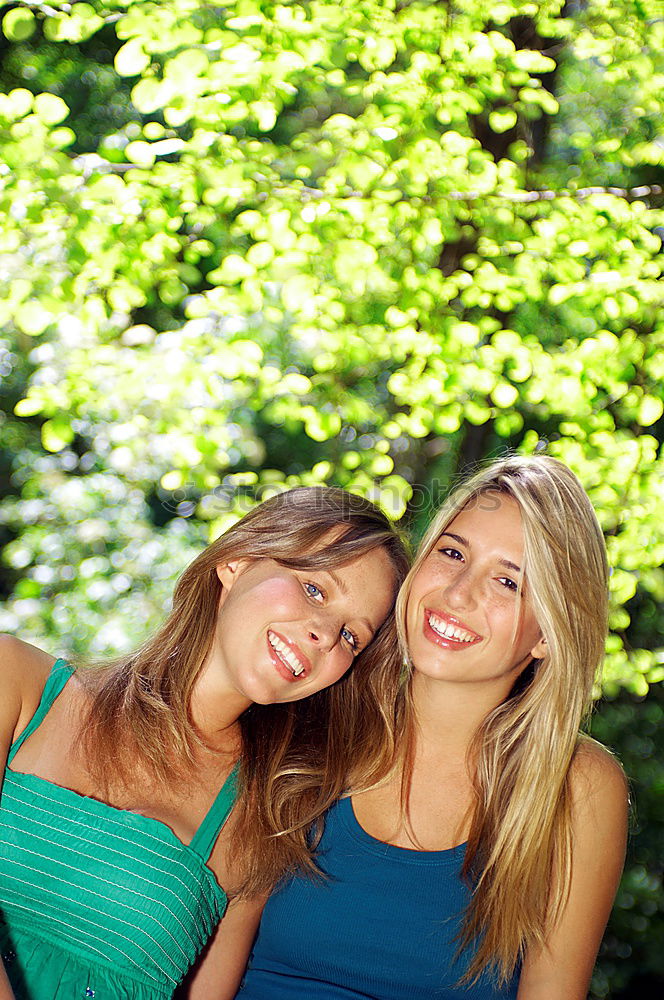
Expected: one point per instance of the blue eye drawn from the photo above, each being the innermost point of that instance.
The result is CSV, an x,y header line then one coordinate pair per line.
x,y
313,591
510,584
350,638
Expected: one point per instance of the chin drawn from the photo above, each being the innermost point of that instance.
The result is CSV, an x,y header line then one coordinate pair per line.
x,y
265,700
262,695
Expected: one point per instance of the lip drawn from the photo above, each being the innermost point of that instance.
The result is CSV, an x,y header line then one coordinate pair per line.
x,y
444,641
283,670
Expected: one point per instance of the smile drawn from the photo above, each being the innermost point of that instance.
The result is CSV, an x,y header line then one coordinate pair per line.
x,y
450,630
286,654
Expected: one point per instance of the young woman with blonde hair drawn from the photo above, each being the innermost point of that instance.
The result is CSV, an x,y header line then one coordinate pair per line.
x,y
486,864
120,779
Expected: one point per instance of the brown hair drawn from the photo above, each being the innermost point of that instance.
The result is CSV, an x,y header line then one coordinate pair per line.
x,y
296,758
518,856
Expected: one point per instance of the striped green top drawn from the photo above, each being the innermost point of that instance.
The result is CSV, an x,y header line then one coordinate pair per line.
x,y
97,901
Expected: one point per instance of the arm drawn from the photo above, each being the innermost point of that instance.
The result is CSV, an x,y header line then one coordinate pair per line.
x,y
5,988
217,975
562,969
23,672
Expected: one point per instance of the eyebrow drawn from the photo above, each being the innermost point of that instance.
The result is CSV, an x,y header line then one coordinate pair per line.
x,y
464,541
344,590
337,579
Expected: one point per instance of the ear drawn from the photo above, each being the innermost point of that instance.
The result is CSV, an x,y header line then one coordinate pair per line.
x,y
539,650
227,573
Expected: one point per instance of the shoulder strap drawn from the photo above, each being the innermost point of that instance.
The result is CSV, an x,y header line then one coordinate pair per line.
x,y
60,673
205,837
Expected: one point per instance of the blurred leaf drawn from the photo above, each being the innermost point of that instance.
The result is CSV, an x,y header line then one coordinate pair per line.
x,y
18,24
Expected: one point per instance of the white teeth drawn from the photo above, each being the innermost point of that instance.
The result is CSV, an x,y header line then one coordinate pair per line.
x,y
286,654
449,631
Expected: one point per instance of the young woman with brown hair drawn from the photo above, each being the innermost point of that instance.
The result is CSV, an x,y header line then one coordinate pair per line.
x,y
111,858
484,867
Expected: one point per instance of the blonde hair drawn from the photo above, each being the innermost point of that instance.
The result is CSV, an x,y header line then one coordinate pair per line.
x,y
518,856
296,757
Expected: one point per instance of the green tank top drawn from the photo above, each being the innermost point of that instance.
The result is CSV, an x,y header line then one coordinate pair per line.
x,y
97,901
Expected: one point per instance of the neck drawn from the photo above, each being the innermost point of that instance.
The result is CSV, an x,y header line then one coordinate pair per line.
x,y
449,714
215,710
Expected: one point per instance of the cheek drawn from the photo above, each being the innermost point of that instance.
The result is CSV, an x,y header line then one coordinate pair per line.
x,y
339,663
422,585
426,590
277,596
440,576
502,602
531,634
410,617
527,632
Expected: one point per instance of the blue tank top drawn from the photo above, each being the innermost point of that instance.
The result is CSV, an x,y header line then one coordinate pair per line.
x,y
383,926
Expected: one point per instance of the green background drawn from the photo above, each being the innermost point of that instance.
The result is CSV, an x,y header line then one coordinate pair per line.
x,y
253,245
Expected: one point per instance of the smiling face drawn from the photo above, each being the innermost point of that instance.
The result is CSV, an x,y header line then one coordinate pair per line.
x,y
283,634
465,620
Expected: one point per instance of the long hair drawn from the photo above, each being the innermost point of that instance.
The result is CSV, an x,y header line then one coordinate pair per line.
x,y
295,758
518,856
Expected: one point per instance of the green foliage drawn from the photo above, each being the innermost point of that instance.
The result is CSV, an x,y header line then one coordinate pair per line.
x,y
631,965
251,245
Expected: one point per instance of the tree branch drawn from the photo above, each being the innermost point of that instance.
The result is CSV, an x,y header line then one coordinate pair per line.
x,y
91,164
65,8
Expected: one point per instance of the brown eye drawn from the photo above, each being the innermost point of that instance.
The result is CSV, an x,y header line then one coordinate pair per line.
x,y
451,553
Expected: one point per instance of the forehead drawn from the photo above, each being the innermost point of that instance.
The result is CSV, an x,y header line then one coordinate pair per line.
x,y
371,571
367,584
490,520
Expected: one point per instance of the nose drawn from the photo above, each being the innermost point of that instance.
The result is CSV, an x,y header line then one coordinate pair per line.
x,y
322,633
460,591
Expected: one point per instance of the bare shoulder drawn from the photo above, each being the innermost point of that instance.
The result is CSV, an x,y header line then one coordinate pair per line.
x,y
23,662
23,672
598,783
594,766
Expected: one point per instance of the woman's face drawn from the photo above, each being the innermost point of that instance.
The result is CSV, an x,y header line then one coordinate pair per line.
x,y
283,634
465,621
